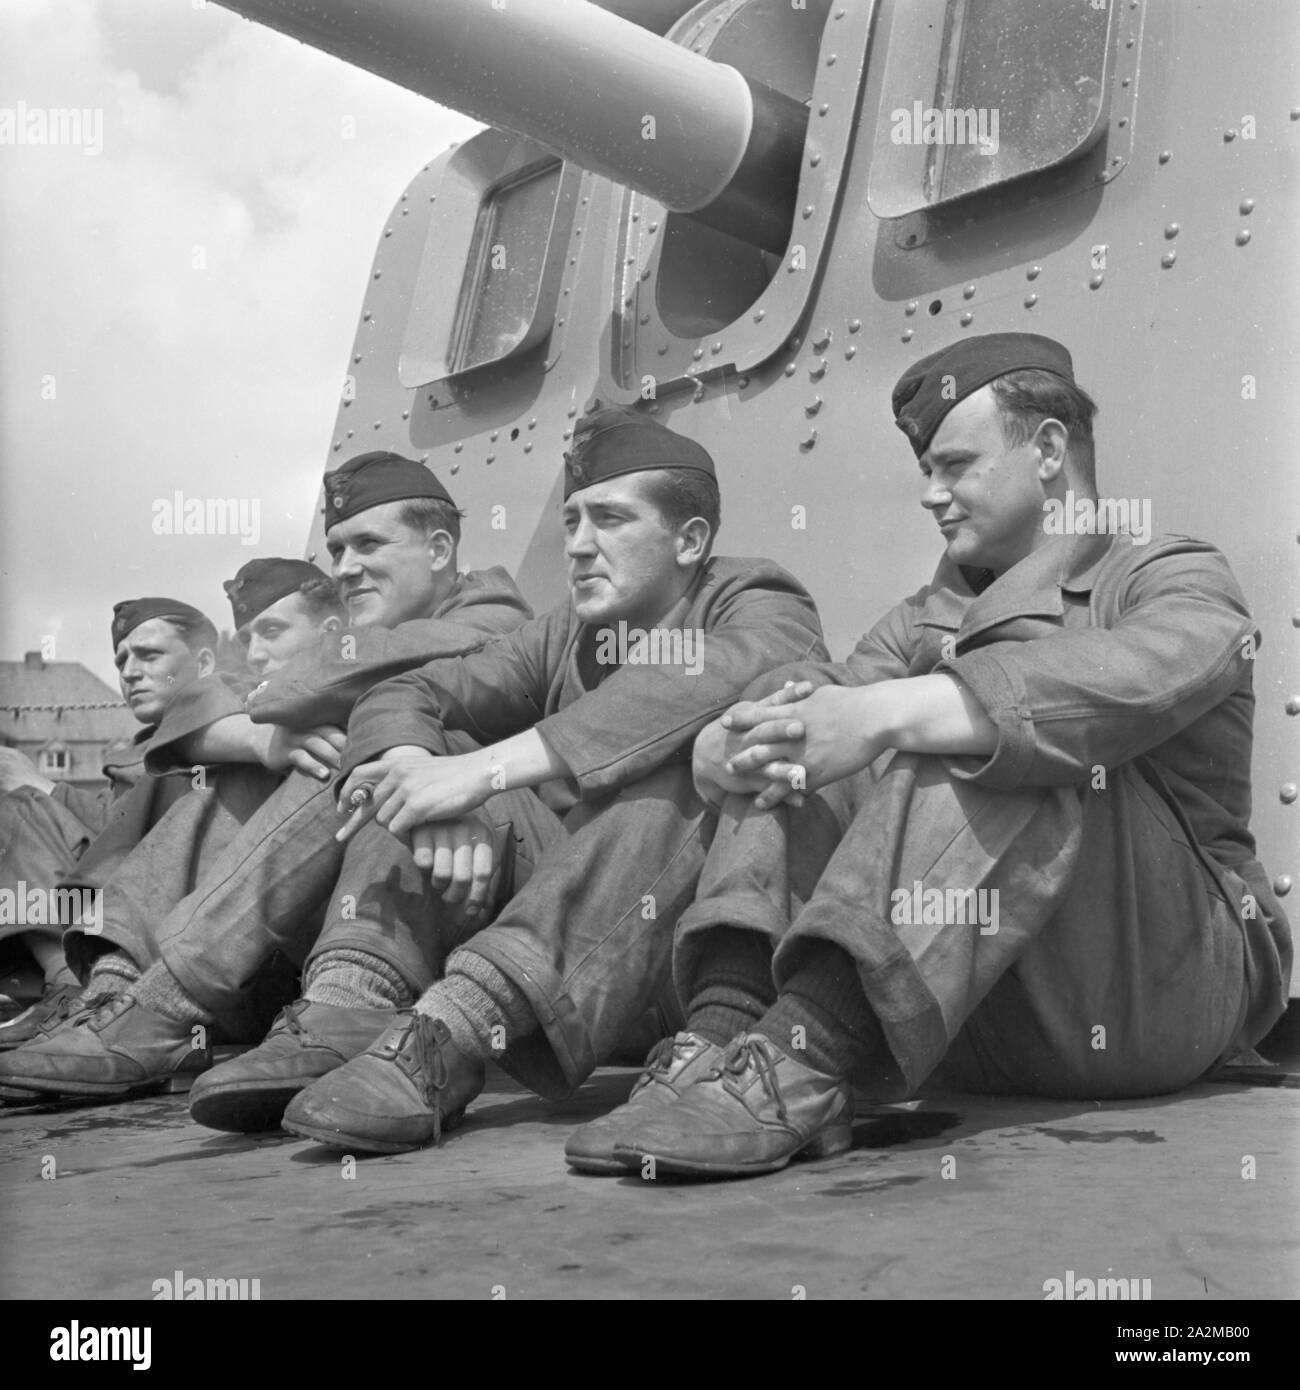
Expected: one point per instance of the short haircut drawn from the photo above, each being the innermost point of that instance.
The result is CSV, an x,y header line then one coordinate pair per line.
x,y
681,493
194,633
1026,398
321,599
430,514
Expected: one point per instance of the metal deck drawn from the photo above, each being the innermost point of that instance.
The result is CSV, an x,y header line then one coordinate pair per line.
x,y
1153,1190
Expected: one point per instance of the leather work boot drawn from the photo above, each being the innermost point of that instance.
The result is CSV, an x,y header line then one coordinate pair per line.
x,y
119,1049
50,1009
754,1112
248,1093
671,1067
409,1087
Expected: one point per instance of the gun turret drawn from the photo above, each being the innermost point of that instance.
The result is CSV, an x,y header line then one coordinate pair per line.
x,y
599,90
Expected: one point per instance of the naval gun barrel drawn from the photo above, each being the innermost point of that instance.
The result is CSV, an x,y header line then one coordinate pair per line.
x,y
610,96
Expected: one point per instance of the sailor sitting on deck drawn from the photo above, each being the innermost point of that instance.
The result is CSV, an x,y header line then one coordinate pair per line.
x,y
162,647
570,891
1054,737
202,914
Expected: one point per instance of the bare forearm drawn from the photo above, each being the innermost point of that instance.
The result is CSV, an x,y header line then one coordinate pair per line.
x,y
523,760
933,714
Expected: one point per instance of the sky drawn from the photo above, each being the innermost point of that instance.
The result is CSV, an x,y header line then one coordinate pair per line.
x,y
178,294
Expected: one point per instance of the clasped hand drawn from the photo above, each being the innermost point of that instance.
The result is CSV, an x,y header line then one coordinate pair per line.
x,y
794,741
431,804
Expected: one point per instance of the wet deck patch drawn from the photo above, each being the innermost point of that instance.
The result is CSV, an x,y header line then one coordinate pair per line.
x,y
1100,1136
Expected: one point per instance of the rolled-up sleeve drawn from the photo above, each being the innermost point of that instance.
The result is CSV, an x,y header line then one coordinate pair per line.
x,y
1086,697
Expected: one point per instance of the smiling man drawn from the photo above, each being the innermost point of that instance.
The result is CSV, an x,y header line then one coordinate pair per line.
x,y
161,647
204,905
1022,862
565,850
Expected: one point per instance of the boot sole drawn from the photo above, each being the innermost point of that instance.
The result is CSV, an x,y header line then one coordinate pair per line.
x,y
16,1093
245,1109
335,1139
607,1166
834,1139
107,1090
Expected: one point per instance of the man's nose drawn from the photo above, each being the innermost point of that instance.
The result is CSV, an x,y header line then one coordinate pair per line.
x,y
345,563
580,540
935,494
257,656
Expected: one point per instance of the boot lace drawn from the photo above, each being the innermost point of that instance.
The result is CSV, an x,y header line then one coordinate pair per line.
x,y
93,1008
289,1019
742,1056
660,1060
432,1072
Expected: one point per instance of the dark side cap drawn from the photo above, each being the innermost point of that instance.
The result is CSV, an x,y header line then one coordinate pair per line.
x,y
930,388
131,612
620,440
371,479
260,583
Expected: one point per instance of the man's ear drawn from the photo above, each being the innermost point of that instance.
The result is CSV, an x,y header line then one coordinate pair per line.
x,y
331,624
206,661
1052,440
693,539
442,550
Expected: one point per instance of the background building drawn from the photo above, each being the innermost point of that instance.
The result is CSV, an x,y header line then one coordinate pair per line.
x,y
62,717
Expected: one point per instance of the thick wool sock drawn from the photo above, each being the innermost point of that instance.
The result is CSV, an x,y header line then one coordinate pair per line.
x,y
733,985
484,1010
111,973
355,980
158,989
823,1007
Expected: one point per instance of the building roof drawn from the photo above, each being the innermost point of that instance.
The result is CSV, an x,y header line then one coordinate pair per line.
x,y
70,703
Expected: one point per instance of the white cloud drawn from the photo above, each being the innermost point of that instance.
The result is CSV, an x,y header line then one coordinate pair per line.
x,y
223,143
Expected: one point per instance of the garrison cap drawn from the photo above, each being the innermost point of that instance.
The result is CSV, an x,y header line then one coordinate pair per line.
x,y
920,400
131,612
371,479
260,583
620,440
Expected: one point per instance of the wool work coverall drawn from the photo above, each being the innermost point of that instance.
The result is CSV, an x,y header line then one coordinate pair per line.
x,y
596,868
253,858
45,836
1137,941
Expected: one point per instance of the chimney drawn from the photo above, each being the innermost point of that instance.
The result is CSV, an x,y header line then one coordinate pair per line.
x,y
33,661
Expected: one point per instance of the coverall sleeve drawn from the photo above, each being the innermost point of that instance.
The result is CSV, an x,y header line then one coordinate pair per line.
x,y
885,653
643,716
194,708
323,688
1101,696
490,694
